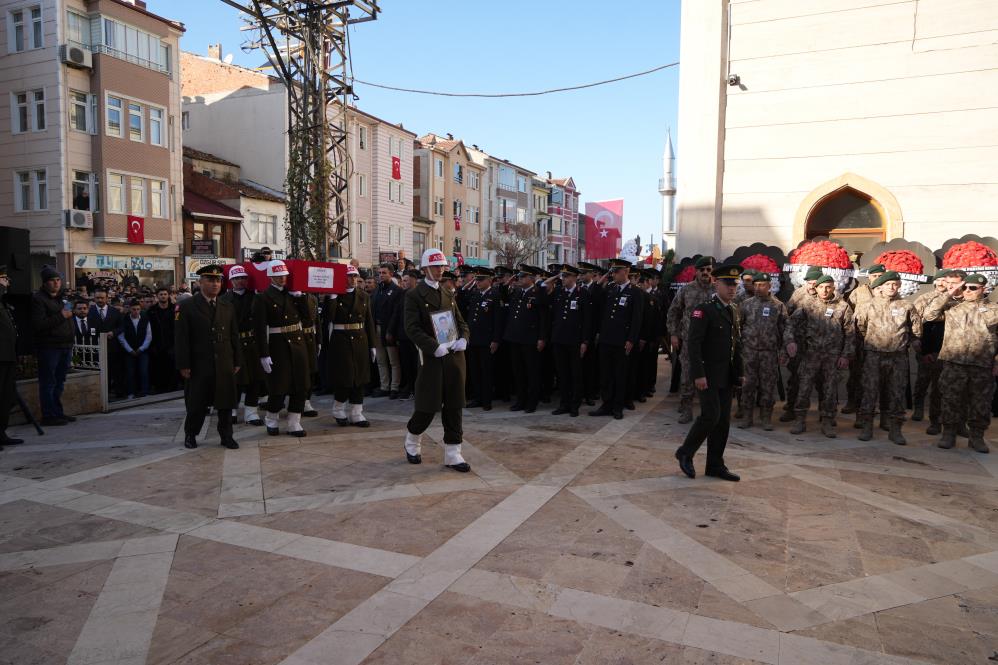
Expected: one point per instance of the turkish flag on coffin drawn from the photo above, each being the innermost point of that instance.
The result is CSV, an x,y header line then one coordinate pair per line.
x,y
396,168
136,229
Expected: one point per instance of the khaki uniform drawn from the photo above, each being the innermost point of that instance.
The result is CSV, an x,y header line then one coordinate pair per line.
x,y
829,333
857,298
929,365
678,324
798,298
763,323
886,328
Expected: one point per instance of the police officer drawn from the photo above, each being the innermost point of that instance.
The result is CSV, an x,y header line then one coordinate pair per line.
x,y
526,321
714,352
206,338
591,281
281,343
430,310
351,350
619,318
250,375
570,332
8,358
485,325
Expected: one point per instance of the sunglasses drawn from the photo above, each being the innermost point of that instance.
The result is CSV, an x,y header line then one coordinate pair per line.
x,y
705,269
968,287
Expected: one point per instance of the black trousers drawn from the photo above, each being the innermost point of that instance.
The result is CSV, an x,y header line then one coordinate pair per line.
x,y
711,426
449,418
409,359
590,370
634,373
526,374
252,393
296,402
677,373
353,395
649,368
613,376
547,373
502,362
571,380
195,421
7,387
162,371
480,374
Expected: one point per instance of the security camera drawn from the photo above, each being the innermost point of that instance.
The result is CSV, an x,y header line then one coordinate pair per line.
x,y
734,79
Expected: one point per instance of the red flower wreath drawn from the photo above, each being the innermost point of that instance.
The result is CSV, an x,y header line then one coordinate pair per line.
x,y
971,254
824,253
687,274
901,261
760,263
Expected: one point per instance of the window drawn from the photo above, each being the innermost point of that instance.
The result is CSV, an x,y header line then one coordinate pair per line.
x,y
521,215
116,193
361,184
31,191
22,186
438,168
185,120
38,101
157,199
16,23
360,231
418,243
156,126
28,111
394,191
554,253
507,178
555,224
849,216
471,251
438,206
85,191
209,231
135,122
112,112
362,137
137,187
521,184
135,46
474,214
262,228
457,208
473,179
36,27
77,29
20,117
24,29
440,243
164,57
395,146
82,111
458,173
507,211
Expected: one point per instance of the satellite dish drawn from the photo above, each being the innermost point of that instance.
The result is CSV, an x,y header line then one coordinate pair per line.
x,y
228,59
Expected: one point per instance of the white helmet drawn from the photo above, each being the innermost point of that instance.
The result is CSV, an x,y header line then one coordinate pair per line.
x,y
277,268
352,270
433,257
237,271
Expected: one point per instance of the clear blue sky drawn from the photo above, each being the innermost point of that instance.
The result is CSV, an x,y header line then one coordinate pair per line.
x,y
609,138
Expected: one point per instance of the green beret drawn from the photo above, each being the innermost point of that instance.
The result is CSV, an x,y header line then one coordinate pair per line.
x,y
825,279
751,274
704,261
942,273
813,273
889,276
762,277
977,278
876,267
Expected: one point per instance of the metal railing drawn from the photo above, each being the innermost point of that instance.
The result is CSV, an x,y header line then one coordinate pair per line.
x,y
95,357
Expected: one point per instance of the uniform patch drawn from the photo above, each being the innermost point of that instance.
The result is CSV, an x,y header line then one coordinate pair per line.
x,y
622,301
574,304
765,311
829,312
697,314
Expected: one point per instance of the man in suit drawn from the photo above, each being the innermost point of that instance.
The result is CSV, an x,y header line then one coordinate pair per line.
x,y
619,315
570,332
208,357
85,334
8,362
714,352
161,363
105,318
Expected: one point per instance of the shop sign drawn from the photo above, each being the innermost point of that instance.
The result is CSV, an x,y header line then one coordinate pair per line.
x,y
109,262
205,247
195,263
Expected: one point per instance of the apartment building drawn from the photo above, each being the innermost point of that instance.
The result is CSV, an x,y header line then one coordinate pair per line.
x,y
563,207
243,114
507,195
448,199
540,194
90,159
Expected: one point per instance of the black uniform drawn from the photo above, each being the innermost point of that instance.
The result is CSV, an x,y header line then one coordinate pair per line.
x,y
571,325
277,316
590,363
620,312
652,331
353,337
484,318
8,358
162,369
250,378
526,321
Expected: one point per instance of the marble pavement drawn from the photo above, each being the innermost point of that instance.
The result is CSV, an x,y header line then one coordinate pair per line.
x,y
574,540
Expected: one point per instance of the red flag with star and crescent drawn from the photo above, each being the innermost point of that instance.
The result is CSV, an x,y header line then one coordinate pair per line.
x,y
604,224
136,229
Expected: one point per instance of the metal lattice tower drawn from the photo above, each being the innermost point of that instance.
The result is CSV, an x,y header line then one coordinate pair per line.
x,y
307,44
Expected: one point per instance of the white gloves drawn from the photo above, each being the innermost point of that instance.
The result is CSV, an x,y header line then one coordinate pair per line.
x,y
295,294
332,296
441,351
460,345
267,364
374,355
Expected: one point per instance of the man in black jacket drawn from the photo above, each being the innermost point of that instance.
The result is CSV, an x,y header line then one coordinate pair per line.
x,y
135,336
8,362
383,302
484,318
53,336
619,310
570,332
395,334
105,318
162,370
525,327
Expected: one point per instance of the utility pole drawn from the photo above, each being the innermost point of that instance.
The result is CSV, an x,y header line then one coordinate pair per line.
x,y
307,44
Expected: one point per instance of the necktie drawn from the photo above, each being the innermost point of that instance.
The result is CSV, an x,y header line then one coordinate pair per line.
x,y
83,326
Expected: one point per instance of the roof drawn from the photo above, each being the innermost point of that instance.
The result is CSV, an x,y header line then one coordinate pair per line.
x,y
142,10
203,156
384,122
254,192
197,205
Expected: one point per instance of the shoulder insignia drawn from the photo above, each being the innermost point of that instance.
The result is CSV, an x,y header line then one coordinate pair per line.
x,y
697,313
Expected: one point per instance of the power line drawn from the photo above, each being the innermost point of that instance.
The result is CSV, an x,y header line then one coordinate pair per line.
x,y
518,94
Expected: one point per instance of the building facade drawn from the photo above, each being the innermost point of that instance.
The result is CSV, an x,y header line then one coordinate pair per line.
x,y
861,120
563,207
89,143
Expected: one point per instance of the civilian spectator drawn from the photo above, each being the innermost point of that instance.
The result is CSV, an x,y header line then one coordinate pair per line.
x,y
135,336
84,333
383,302
53,336
162,369
395,334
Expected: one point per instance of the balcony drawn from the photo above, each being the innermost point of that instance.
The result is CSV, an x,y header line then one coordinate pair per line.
x,y
135,60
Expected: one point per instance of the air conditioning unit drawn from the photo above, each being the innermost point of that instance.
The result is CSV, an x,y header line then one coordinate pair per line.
x,y
79,219
76,56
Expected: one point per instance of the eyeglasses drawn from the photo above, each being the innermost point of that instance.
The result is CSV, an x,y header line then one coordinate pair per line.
x,y
968,287
706,269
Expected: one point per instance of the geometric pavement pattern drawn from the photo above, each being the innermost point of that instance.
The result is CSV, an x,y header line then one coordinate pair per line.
x,y
572,541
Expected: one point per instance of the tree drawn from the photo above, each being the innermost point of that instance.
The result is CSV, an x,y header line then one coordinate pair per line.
x,y
516,243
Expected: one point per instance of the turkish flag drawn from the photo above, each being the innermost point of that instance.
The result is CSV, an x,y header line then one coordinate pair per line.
x,y
136,229
604,223
396,168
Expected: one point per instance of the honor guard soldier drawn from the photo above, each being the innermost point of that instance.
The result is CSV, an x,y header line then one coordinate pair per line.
x,y
434,324
485,326
281,343
714,352
571,332
206,339
652,331
351,350
309,327
502,360
250,376
618,313
698,291
526,320
8,358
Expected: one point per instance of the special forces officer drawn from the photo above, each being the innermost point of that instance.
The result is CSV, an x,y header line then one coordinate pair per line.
x,y
485,327
206,338
764,319
716,367
351,350
571,334
250,376
619,315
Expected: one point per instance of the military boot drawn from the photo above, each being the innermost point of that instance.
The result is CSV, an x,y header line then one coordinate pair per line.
x,y
747,419
896,436
885,421
977,442
850,407
867,425
860,419
948,439
787,416
918,412
799,427
828,428
934,427
766,419
961,430
685,417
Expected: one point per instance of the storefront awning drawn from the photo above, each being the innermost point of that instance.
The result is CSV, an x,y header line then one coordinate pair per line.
x,y
201,207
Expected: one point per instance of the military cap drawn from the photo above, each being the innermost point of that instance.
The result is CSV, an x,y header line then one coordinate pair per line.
x,y
889,276
3,271
481,272
942,273
824,279
616,264
650,273
503,270
977,278
704,261
728,271
213,270
541,272
634,270
813,273
762,277
876,268
585,266
751,274
464,268
48,272
554,267
447,274
570,269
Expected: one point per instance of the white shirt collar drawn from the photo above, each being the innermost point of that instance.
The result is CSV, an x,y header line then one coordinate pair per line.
x,y
430,283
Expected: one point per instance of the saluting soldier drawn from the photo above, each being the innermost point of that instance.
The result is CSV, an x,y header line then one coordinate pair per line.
x,y
502,365
591,281
858,298
570,333
206,339
698,291
430,311
283,355
250,376
485,333
8,358
714,351
929,366
652,332
526,320
351,350
619,312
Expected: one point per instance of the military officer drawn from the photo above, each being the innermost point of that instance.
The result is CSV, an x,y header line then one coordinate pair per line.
x,y
618,315
351,350
763,320
209,355
652,332
278,314
570,332
434,324
250,376
310,328
485,333
525,326
698,291
8,358
714,352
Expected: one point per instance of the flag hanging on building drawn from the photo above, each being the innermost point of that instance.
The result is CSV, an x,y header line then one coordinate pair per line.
x,y
136,230
396,168
604,223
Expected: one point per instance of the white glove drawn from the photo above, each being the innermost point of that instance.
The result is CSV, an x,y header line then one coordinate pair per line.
x,y
267,364
374,355
332,296
441,350
460,345
295,294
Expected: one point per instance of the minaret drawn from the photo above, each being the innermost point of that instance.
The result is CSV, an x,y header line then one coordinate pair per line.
x,y
667,188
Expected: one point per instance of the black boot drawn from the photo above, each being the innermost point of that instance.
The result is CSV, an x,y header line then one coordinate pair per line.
x,y
225,429
190,441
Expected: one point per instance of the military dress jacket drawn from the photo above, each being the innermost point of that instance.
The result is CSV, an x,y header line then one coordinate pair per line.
x,y
619,315
440,381
526,315
826,327
250,371
310,326
651,319
887,326
714,344
348,356
206,341
275,308
571,317
485,317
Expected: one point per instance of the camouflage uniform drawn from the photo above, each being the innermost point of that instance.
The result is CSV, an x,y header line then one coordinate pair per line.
x,y
763,323
929,365
798,298
857,298
886,328
829,333
678,320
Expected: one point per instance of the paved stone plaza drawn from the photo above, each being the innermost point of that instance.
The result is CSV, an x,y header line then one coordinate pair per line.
x,y
572,541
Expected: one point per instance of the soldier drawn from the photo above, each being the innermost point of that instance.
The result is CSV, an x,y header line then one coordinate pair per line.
x,y
825,324
435,325
618,315
652,332
713,349
887,326
746,289
526,321
504,283
8,358
591,281
763,320
277,314
857,298
969,355
801,295
351,350
310,325
485,332
250,375
206,337
927,358
698,291
570,332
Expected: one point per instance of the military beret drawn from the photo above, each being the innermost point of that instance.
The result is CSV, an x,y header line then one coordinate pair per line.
x,y
728,271
750,274
977,278
876,268
813,273
213,270
762,277
959,274
942,273
825,279
889,276
48,272
704,261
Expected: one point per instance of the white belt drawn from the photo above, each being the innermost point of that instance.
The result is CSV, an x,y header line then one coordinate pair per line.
x,y
276,330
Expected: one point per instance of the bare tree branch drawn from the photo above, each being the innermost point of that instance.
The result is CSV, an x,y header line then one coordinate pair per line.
x,y
516,243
